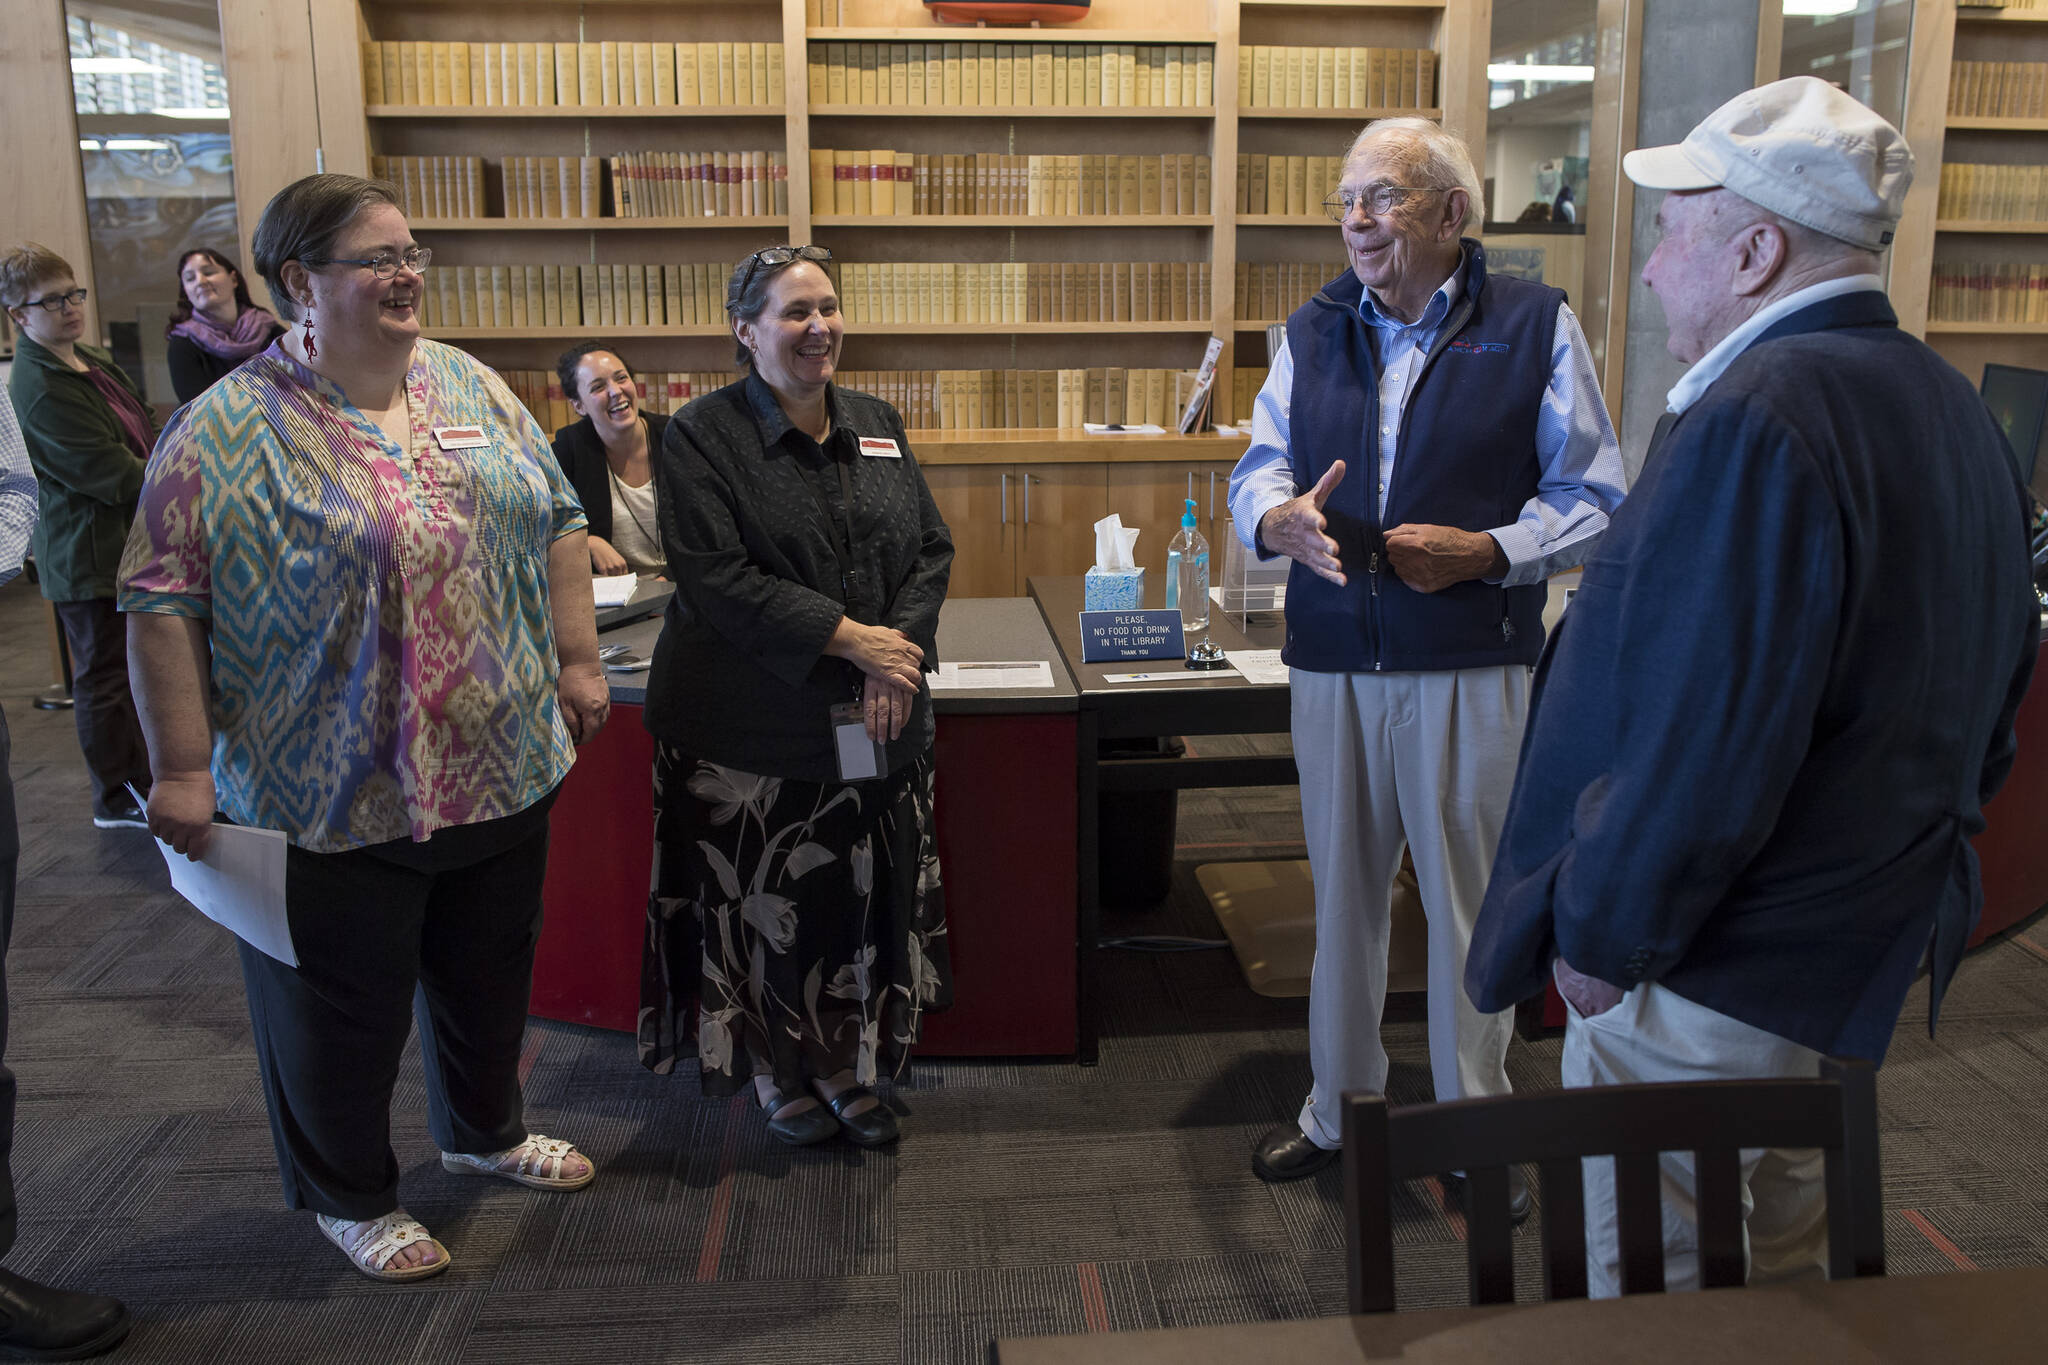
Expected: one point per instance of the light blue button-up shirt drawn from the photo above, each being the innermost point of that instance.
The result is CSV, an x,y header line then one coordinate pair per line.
x,y
1582,479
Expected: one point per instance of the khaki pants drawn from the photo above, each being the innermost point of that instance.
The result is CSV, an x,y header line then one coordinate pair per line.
x,y
1387,759
1657,1035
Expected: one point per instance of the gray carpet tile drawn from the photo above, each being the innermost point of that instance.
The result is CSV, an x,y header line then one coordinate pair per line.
x,y
1028,1196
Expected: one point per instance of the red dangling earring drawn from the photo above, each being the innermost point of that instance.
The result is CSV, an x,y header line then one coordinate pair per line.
x,y
311,349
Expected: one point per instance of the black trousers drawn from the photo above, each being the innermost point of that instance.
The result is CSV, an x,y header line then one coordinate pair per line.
x,y
101,704
10,854
383,935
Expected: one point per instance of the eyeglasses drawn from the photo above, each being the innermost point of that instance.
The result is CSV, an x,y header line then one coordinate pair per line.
x,y
1377,199
383,265
57,303
778,256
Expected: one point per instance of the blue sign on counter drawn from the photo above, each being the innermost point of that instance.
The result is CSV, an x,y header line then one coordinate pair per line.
x,y
1112,636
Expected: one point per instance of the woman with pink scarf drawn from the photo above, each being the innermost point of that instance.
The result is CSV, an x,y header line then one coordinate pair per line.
x,y
215,326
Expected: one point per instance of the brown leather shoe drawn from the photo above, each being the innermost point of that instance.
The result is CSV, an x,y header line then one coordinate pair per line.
x,y
1287,1153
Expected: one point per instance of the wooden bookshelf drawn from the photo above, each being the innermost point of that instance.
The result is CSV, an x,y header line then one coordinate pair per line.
x,y
575,111
725,224
1989,225
1998,125
351,130
2006,329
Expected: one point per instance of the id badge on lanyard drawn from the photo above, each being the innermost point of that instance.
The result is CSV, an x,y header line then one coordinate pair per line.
x,y
861,759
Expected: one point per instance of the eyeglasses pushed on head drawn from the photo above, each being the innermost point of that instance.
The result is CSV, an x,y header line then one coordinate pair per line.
x,y
779,256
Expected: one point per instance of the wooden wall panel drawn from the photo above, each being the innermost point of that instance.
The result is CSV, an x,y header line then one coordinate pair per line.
x,y
267,49
42,183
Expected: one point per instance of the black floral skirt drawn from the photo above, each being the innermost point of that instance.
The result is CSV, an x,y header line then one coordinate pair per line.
x,y
795,929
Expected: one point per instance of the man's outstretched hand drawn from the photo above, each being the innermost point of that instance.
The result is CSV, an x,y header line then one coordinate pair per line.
x,y
1297,528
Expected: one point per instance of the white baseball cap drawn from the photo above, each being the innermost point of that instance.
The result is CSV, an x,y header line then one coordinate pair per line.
x,y
1800,148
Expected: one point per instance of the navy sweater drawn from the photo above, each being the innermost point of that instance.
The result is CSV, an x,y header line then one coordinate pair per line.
x,y
1762,739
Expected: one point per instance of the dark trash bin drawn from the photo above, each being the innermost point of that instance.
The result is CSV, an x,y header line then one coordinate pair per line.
x,y
1135,830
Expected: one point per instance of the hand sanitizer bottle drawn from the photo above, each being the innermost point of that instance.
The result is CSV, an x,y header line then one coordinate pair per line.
x,y
1187,574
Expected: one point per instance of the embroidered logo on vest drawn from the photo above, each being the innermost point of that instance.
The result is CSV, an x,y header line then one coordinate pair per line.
x,y
1464,347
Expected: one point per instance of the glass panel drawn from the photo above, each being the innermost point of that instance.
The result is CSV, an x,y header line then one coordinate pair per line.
x,y
1539,133
152,122
1859,45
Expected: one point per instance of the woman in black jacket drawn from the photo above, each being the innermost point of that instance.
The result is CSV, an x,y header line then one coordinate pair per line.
x,y
214,325
609,458
797,926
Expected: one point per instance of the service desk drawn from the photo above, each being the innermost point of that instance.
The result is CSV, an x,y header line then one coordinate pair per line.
x,y
2013,850
1197,703
1005,803
1985,1317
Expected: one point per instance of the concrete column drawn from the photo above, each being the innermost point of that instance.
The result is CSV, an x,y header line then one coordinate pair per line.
x,y
1696,54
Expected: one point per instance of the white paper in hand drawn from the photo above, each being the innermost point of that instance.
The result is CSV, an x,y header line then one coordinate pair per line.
x,y
239,885
613,590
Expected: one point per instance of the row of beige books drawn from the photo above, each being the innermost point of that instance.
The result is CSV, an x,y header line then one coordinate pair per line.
x,y
530,297
1269,291
967,400
589,75
1245,383
905,184
1981,291
1024,291
1995,194
660,391
1998,89
435,186
700,184
1012,75
1293,185
1336,77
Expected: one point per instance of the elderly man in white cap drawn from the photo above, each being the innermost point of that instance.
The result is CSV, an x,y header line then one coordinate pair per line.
x,y
1760,743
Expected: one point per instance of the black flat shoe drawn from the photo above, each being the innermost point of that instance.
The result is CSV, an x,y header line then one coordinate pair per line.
x,y
872,1127
1287,1153
801,1129
1519,1202
41,1322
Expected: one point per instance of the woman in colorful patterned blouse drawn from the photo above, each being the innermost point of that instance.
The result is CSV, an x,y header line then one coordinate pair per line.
x,y
358,585
797,926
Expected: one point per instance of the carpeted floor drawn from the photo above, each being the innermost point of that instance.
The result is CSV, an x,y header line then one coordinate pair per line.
x,y
1028,1197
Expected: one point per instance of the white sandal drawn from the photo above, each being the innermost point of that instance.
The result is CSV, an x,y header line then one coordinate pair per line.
x,y
541,1161
371,1244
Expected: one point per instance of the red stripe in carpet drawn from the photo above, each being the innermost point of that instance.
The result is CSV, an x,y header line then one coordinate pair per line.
x,y
1453,1215
1939,1242
2036,949
1093,1306
530,1056
721,1196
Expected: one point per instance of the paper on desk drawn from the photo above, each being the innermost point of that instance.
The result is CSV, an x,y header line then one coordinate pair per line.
x,y
613,590
1123,428
1259,665
239,885
1177,675
993,675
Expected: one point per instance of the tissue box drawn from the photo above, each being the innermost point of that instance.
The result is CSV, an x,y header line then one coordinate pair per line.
x,y
1117,590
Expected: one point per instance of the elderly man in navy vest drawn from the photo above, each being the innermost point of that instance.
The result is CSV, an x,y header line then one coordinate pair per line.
x,y
1429,446
1764,734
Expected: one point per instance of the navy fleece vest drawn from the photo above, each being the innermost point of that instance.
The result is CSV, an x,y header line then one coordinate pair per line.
x,y
1465,456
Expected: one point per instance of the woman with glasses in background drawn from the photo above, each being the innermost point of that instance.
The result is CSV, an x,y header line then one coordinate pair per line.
x,y
214,325
360,548
796,928
88,433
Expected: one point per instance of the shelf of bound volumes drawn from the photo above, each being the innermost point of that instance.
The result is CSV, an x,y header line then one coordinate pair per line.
x,y
413,79
526,138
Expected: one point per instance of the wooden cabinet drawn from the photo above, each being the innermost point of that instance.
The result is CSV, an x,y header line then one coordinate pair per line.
x,y
1010,522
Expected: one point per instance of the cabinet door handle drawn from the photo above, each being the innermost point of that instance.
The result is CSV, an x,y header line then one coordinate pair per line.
x,y
1005,496
1212,495
1027,499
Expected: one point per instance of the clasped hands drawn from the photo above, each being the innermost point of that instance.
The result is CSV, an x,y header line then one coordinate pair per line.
x,y
1427,558
893,665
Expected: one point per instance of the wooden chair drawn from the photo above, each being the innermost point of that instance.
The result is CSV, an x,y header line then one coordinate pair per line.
x,y
1632,1123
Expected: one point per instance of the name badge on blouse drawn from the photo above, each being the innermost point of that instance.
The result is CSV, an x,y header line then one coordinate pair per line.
x,y
860,758
880,448
460,438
